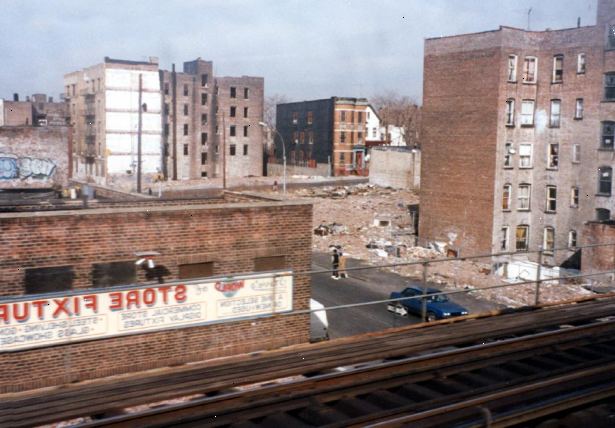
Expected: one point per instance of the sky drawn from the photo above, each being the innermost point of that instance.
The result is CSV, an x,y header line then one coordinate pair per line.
x,y
304,49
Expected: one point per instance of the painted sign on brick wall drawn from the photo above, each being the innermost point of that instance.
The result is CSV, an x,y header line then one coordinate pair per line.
x,y
55,320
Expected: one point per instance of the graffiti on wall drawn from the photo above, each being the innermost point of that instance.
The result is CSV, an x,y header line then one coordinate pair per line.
x,y
21,168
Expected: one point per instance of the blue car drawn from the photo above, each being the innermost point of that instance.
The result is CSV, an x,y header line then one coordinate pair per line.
x,y
438,306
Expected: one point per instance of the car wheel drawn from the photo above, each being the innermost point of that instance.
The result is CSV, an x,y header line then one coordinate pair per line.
x,y
431,317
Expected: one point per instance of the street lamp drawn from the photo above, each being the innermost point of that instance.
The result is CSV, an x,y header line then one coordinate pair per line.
x,y
264,125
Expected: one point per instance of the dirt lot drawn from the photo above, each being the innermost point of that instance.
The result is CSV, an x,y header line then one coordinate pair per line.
x,y
362,216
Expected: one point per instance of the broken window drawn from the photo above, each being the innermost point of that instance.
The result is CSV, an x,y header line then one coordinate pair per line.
x,y
530,69
558,68
204,79
609,86
204,174
522,237
204,158
523,198
605,179
512,68
525,155
572,238
527,113
114,273
48,279
233,150
508,152
581,63
608,135
553,155
574,197
510,112
232,130
233,111
603,214
203,138
204,119
554,120
578,110
548,239
196,270
166,88
576,153
506,197
551,202
186,92
233,92
246,93
203,99
504,238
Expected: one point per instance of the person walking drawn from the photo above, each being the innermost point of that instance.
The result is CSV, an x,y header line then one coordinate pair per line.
x,y
335,262
343,273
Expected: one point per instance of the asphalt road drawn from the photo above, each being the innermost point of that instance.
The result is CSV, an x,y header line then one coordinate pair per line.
x,y
365,286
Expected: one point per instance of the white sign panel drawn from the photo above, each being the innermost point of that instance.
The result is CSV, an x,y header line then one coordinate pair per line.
x,y
55,320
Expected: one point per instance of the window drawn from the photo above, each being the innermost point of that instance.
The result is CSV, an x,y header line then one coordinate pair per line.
x,y
204,174
558,68
233,150
310,137
576,153
310,117
374,132
359,138
574,197
203,138
185,109
522,237
186,92
603,214
246,93
196,270
203,99
185,149
204,158
512,68
217,149
527,113
508,153
204,119
233,92
523,198
610,40
296,137
245,131
552,156
343,137
342,158
578,109
245,150
342,116
554,120
113,273
605,178
232,130
166,88
49,279
504,238
204,78
245,112
525,155
295,118
185,129
529,69
551,202
581,63
609,86
360,117
166,129
510,112
166,108
572,238
548,239
506,196
233,111
608,135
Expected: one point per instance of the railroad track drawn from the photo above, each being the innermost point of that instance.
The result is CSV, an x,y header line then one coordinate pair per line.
x,y
106,396
502,383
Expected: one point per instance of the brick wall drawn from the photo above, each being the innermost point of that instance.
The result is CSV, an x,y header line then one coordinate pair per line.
x,y
599,259
231,235
395,167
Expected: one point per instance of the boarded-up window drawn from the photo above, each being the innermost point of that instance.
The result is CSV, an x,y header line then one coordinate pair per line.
x,y
196,270
114,273
262,264
49,279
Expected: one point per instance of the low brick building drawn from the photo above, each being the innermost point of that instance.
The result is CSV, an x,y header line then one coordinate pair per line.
x,y
600,258
78,253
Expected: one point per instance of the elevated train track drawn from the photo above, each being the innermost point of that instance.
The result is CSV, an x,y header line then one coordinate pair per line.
x,y
482,363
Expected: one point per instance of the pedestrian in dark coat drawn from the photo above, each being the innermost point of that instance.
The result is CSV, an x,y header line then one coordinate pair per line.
x,y
335,262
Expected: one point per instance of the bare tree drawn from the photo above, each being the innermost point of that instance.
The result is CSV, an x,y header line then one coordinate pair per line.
x,y
270,108
402,111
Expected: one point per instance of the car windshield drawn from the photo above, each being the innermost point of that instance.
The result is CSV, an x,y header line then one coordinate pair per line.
x,y
439,298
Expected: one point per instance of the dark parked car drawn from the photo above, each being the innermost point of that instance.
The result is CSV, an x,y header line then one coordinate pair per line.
x,y
438,306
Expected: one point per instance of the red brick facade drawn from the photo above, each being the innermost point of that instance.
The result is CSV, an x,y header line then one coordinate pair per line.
x,y
601,258
231,235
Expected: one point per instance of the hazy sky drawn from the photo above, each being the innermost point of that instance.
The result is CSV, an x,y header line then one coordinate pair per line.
x,y
305,49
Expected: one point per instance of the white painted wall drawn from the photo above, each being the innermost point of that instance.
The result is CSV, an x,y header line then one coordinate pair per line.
x,y
1,112
372,122
397,135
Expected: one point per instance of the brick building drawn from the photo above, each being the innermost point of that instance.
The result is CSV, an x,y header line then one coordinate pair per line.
x,y
88,250
39,110
517,137
602,257
321,131
211,112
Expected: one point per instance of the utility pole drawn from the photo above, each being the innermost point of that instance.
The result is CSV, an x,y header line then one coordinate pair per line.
x,y
139,130
174,107
529,12
223,152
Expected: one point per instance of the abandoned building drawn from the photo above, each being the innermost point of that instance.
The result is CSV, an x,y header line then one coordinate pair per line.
x,y
103,255
518,131
38,110
329,131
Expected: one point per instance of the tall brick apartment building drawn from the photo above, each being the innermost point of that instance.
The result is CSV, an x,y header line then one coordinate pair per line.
x,y
319,131
202,114
518,130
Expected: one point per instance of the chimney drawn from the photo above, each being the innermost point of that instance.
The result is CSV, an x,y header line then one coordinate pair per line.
x,y
579,22
15,96
50,99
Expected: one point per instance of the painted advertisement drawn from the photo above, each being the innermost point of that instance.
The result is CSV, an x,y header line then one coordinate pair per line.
x,y
55,320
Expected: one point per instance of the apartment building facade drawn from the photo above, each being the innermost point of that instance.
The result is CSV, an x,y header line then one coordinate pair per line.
x,y
211,124
518,130
331,130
